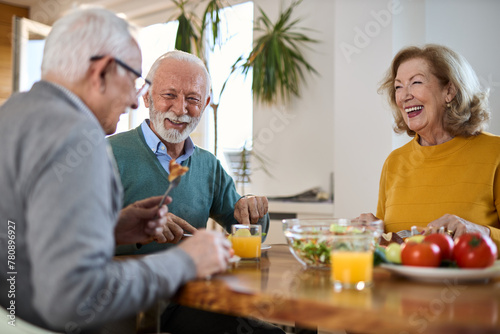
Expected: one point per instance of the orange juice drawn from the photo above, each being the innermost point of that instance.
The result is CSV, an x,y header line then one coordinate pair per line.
x,y
246,247
352,267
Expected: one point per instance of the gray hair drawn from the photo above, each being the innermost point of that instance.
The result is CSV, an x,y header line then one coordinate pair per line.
x,y
81,34
182,56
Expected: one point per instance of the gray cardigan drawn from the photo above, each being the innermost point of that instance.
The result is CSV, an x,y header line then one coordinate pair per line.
x,y
61,193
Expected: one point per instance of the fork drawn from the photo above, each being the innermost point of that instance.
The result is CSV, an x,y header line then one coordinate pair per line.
x,y
406,234
172,185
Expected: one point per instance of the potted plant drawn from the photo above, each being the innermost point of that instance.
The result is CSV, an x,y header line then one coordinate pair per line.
x,y
278,66
277,60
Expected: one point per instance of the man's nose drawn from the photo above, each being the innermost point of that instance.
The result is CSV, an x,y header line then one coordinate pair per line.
x,y
179,106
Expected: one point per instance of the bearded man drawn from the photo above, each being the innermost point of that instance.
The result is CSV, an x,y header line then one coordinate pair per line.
x,y
179,93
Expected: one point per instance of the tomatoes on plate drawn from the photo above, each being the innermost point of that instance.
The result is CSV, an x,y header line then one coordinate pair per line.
x,y
423,254
444,242
474,250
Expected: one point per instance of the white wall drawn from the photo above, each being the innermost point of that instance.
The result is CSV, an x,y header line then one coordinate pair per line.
x,y
298,138
340,124
471,28
362,129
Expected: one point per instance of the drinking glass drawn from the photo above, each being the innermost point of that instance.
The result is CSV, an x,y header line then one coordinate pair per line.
x,y
352,260
246,240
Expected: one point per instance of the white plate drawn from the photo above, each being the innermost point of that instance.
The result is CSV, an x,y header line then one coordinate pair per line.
x,y
234,259
265,247
426,274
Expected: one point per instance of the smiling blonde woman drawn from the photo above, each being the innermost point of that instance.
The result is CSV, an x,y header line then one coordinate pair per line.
x,y
449,174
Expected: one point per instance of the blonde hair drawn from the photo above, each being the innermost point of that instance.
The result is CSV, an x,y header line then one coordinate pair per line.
x,y
468,113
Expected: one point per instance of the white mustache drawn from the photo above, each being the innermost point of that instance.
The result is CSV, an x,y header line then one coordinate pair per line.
x,y
181,119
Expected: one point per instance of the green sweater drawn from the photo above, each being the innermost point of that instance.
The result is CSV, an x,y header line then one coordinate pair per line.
x,y
205,191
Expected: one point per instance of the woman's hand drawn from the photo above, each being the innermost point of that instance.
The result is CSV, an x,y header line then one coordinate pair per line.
x,y
366,217
455,226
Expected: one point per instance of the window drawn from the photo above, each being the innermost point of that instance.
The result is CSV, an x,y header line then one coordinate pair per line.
x,y
234,114
28,42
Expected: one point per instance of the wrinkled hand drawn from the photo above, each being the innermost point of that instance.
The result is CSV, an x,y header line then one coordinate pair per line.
x,y
141,221
456,225
174,229
249,209
209,250
366,217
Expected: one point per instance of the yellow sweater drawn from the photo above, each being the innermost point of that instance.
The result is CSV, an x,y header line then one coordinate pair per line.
x,y
422,183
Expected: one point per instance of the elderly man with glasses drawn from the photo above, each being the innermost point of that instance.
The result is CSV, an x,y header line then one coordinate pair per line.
x,y
62,196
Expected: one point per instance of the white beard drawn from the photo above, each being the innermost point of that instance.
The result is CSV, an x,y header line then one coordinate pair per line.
x,y
172,135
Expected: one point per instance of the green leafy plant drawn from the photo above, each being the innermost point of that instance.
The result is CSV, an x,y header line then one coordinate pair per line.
x,y
192,30
187,36
277,60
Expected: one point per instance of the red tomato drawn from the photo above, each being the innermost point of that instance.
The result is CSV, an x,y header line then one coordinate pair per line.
x,y
474,250
444,242
422,254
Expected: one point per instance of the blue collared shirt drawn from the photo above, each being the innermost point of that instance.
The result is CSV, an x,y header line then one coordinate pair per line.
x,y
160,150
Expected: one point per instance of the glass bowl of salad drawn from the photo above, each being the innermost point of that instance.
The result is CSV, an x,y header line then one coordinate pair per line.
x,y
310,240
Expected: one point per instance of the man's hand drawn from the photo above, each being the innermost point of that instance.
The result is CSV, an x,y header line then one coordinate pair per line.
x,y
174,229
141,221
249,209
209,250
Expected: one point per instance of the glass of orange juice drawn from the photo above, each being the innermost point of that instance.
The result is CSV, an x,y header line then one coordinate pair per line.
x,y
246,240
351,259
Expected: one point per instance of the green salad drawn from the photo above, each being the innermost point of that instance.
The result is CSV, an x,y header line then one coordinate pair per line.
x,y
315,249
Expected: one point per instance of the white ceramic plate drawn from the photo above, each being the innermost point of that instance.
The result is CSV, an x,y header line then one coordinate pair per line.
x,y
265,246
426,274
234,259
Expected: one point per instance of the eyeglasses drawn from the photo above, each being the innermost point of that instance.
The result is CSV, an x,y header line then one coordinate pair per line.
x,y
141,84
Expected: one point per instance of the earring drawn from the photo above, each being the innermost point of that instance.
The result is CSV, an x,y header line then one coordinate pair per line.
x,y
448,105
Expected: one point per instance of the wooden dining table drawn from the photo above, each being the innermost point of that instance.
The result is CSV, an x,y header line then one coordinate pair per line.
x,y
279,289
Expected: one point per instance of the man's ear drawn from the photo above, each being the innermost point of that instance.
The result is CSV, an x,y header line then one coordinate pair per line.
x,y
145,98
97,73
208,101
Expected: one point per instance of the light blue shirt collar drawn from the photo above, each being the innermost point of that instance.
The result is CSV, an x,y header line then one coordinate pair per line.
x,y
160,150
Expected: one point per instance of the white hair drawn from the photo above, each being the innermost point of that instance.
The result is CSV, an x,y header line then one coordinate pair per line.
x,y
182,56
81,34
